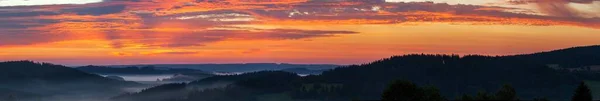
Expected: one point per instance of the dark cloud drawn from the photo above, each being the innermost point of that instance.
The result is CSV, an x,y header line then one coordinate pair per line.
x,y
400,12
322,10
34,11
543,1
24,23
100,10
27,14
559,8
143,28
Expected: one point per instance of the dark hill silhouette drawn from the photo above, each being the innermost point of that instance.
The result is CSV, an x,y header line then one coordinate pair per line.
x,y
304,71
156,93
56,80
176,91
575,57
454,75
245,76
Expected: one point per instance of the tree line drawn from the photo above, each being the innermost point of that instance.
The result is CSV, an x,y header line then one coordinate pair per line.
x,y
401,90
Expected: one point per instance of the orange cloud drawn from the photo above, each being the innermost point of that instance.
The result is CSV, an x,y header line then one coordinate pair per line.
x,y
122,54
182,23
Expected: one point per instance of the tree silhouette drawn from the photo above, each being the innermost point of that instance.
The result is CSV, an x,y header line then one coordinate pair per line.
x,y
507,92
582,93
430,93
482,95
541,99
464,97
401,90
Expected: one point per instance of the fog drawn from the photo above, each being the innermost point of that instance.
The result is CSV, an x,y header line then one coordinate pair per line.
x,y
142,78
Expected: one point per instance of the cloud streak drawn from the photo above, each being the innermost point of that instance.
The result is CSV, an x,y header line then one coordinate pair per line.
x,y
44,2
561,8
184,23
201,38
166,39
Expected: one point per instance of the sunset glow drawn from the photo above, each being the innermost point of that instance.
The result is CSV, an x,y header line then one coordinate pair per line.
x,y
81,32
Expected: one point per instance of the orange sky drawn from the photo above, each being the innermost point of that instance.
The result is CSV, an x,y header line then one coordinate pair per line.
x,y
286,31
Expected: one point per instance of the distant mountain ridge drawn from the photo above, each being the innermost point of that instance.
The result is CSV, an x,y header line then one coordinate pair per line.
x,y
134,70
242,67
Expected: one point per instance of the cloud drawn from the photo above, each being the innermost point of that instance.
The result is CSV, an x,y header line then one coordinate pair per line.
x,y
44,2
101,10
543,1
8,24
361,12
155,38
209,13
27,14
19,37
169,53
204,37
185,23
561,8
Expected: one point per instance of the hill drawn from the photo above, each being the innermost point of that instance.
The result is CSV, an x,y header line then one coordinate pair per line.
x,y
56,81
530,74
176,91
304,71
575,57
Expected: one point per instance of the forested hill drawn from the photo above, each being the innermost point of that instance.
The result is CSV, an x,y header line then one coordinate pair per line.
x,y
453,75
575,57
55,80
258,82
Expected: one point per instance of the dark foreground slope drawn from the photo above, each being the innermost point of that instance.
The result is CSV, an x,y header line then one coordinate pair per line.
x,y
531,75
54,82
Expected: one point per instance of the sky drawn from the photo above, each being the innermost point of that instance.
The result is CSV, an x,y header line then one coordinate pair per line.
x,y
115,32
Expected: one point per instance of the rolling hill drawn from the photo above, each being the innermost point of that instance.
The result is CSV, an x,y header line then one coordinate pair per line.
x,y
530,74
56,81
